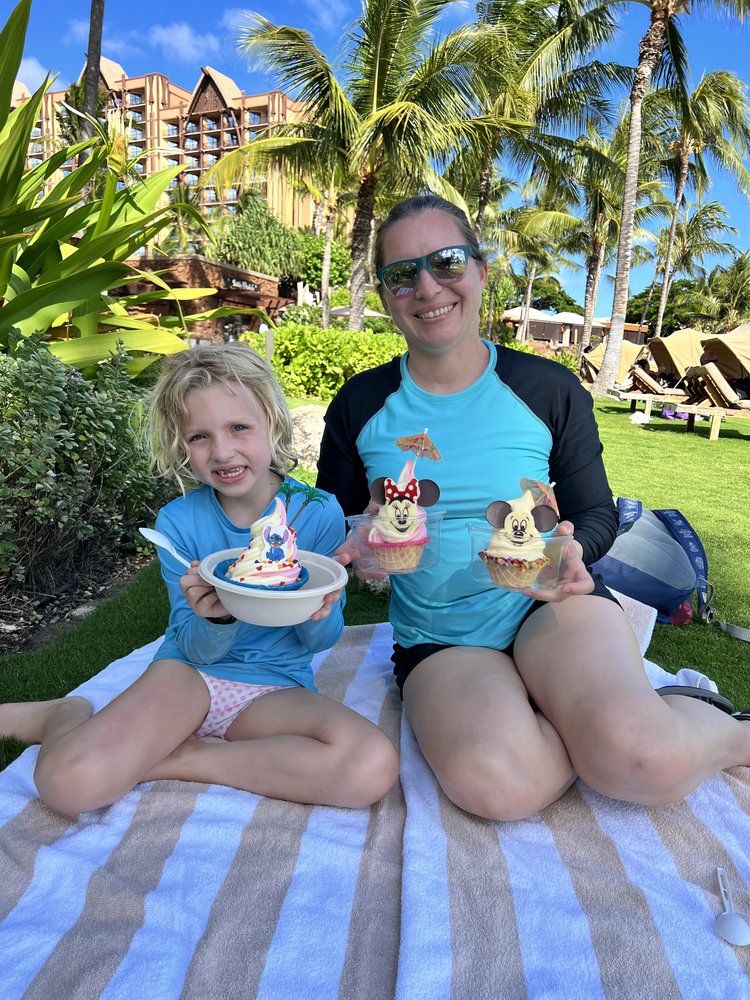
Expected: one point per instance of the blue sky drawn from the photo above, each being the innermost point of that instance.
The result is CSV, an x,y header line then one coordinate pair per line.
x,y
177,39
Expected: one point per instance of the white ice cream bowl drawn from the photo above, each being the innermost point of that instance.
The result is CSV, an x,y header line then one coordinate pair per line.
x,y
276,607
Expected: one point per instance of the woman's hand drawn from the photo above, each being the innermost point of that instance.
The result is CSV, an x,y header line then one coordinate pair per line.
x,y
349,550
201,596
575,578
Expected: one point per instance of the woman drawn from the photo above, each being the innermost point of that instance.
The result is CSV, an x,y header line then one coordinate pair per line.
x,y
510,698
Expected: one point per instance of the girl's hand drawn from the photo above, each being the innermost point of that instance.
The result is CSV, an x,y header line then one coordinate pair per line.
x,y
328,601
201,596
575,578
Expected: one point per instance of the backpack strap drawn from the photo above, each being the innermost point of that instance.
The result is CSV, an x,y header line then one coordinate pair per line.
x,y
628,512
683,532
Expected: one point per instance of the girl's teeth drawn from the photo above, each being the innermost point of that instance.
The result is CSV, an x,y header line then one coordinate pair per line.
x,y
229,473
435,312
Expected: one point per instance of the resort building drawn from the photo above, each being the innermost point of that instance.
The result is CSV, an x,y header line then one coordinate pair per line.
x,y
170,126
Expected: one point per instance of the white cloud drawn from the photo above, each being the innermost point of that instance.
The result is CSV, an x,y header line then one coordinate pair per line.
x,y
181,42
232,18
32,73
330,15
77,33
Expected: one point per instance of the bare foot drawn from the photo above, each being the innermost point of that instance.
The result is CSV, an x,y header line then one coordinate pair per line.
x,y
27,720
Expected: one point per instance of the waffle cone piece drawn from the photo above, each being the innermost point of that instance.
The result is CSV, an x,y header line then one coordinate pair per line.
x,y
400,557
514,573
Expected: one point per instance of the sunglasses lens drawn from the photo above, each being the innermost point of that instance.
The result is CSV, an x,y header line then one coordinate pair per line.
x,y
400,278
448,264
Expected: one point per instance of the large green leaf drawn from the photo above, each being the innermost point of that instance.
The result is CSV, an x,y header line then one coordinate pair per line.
x,y
90,350
39,307
14,144
12,39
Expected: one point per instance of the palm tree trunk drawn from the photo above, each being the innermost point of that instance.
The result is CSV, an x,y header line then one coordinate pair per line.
x,y
650,50
325,275
651,288
593,270
679,191
361,230
485,180
93,69
526,306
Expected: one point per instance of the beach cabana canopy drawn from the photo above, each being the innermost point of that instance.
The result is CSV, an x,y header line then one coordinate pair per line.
x,y
730,352
677,352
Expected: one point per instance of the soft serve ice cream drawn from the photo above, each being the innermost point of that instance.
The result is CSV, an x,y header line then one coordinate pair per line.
x,y
515,554
399,528
270,560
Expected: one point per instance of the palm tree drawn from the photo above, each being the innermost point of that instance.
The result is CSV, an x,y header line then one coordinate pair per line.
x,y
694,238
724,300
535,79
713,120
91,80
407,100
661,47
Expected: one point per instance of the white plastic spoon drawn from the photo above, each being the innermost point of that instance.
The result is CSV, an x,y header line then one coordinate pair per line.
x,y
158,539
730,925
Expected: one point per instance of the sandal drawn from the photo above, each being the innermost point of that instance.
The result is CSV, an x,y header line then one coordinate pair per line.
x,y
742,716
702,694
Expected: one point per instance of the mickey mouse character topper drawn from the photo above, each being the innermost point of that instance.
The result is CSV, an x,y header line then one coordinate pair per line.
x,y
516,554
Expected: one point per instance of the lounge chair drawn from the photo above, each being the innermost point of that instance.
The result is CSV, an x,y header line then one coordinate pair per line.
x,y
718,390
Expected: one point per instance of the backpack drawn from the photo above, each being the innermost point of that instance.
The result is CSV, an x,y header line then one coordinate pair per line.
x,y
658,559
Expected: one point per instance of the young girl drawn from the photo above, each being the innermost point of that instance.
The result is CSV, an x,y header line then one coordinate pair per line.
x,y
222,702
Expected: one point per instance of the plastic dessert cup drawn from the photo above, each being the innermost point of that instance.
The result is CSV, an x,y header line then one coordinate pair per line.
x,y
395,557
276,606
518,572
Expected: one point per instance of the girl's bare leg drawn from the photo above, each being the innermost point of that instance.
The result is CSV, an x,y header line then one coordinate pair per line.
x,y
295,745
29,721
580,662
94,761
492,753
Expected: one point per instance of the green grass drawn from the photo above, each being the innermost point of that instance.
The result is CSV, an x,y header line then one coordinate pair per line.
x,y
660,464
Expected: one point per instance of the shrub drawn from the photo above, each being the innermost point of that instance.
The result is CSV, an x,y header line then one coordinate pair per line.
x,y
71,475
309,361
257,241
314,246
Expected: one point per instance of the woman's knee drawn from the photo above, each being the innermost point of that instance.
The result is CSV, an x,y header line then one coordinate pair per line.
x,y
635,761
492,787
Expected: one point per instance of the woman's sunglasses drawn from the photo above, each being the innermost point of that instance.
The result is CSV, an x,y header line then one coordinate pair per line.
x,y
446,266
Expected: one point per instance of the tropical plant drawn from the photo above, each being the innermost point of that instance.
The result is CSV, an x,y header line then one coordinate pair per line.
x,y
407,104
257,241
713,121
661,49
60,256
722,302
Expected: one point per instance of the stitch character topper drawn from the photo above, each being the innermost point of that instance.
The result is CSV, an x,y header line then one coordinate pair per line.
x,y
270,560
516,554
399,530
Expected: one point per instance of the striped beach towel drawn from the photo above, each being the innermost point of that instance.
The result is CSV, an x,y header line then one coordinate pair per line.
x,y
184,890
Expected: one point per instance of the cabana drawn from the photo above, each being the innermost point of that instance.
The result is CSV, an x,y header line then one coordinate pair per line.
x,y
677,352
730,352
591,361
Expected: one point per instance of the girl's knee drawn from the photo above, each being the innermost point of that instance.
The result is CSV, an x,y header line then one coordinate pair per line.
x,y
72,783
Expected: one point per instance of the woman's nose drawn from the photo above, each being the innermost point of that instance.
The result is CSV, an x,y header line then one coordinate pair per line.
x,y
426,285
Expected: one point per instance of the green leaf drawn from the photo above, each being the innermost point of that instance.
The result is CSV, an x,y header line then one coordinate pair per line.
x,y
91,350
12,39
38,308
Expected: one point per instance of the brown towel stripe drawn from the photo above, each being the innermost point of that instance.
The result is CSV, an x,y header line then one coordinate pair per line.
x,y
88,955
21,838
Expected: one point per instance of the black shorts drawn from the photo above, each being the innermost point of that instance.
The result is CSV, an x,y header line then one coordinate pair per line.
x,y
406,658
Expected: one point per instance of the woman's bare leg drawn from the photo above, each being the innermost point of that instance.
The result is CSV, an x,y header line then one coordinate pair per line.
x,y
580,662
295,745
491,752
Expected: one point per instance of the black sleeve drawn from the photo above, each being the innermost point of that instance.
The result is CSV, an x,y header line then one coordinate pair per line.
x,y
576,467
340,469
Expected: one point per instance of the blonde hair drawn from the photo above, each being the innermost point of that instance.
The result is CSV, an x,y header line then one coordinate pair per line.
x,y
205,367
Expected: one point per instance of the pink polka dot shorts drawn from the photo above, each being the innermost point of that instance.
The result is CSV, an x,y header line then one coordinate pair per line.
x,y
228,699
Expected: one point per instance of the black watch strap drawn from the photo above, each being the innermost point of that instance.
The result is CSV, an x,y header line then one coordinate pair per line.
x,y
226,620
